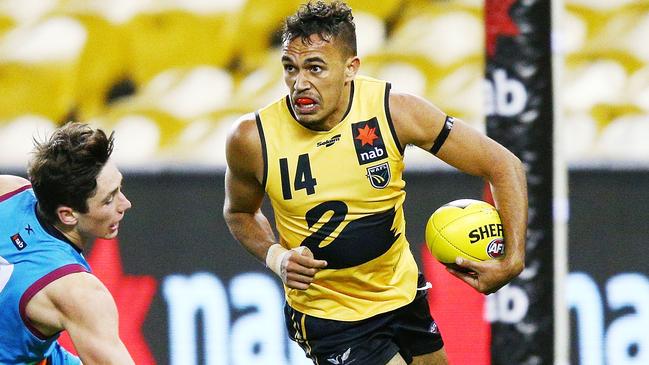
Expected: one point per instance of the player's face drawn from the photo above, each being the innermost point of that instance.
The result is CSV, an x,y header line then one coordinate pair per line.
x,y
107,207
317,75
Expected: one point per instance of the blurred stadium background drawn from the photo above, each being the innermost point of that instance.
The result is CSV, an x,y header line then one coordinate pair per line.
x,y
171,75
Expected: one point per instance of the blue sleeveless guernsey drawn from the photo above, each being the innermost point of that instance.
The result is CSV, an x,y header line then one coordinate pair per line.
x,y
32,255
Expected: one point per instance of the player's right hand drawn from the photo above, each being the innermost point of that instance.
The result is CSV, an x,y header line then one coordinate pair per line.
x,y
296,267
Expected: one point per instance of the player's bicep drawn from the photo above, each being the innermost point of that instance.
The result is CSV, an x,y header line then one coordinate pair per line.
x,y
470,151
9,183
242,193
89,314
420,123
243,189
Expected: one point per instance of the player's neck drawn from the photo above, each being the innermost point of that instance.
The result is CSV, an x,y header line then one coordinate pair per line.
x,y
60,231
73,235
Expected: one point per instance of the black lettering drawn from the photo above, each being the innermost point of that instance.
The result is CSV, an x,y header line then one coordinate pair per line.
x,y
286,185
484,232
474,236
492,230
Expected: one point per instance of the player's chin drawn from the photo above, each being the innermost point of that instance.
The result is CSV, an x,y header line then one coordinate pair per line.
x,y
111,233
308,119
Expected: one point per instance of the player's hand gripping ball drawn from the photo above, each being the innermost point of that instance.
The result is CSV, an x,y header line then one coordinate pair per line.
x,y
467,228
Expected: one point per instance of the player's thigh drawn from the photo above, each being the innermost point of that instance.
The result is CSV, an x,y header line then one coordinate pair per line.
x,y
397,360
434,358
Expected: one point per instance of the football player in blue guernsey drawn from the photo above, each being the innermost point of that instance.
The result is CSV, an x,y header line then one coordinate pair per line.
x,y
329,155
46,286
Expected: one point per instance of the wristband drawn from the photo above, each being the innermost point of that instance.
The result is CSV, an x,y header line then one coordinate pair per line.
x,y
275,257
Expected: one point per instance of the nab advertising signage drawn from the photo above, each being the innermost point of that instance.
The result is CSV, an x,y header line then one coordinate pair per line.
x,y
188,294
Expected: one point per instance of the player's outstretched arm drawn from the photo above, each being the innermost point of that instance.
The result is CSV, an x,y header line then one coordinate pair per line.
x,y
81,304
9,183
419,122
244,194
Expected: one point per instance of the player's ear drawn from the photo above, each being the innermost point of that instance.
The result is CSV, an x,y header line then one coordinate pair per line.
x,y
351,68
67,215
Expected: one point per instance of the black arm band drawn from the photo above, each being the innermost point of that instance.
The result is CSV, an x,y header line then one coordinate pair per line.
x,y
441,137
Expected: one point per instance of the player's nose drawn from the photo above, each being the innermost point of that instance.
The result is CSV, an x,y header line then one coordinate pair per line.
x,y
125,204
301,82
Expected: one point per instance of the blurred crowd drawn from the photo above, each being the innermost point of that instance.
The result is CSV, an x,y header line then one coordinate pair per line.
x,y
171,76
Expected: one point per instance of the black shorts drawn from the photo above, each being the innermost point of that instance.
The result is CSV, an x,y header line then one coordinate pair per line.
x,y
409,330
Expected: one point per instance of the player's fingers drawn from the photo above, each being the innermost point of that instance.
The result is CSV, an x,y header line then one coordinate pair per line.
x,y
468,265
297,285
307,260
318,264
468,278
293,276
298,281
294,267
303,251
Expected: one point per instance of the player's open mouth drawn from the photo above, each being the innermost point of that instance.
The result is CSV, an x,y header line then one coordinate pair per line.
x,y
305,105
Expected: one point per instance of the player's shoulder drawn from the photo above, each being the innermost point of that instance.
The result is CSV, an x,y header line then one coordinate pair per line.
x,y
243,143
77,286
10,183
244,132
360,78
74,295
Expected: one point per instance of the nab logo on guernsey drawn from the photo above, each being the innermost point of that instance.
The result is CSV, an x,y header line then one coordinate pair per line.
x,y
379,175
18,241
368,141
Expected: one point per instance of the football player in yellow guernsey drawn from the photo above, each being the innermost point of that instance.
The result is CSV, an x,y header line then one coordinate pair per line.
x,y
329,155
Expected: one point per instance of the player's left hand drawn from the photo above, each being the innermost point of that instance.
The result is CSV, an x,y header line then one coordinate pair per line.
x,y
485,276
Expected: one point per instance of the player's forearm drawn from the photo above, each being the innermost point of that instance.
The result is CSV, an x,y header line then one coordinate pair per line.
x,y
117,355
509,187
252,230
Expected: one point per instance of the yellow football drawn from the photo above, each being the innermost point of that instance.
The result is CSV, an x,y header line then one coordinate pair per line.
x,y
467,228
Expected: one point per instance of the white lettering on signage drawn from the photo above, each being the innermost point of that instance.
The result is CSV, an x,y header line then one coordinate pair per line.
x,y
256,336
504,96
507,305
625,341
200,295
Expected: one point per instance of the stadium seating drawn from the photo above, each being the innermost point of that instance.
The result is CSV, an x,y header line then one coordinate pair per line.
x,y
170,74
38,65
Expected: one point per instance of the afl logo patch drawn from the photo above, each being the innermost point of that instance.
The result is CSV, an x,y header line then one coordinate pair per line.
x,y
379,175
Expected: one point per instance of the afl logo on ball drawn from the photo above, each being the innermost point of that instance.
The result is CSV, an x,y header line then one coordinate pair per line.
x,y
379,175
496,248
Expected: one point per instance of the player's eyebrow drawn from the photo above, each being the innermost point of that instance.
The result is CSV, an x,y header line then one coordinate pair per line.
x,y
314,60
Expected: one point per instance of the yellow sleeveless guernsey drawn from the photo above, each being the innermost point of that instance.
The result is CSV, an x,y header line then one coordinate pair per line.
x,y
340,193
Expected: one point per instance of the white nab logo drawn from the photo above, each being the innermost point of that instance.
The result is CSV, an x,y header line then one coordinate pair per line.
x,y
373,154
504,96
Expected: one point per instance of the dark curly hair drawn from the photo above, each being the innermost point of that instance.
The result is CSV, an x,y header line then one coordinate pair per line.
x,y
64,168
334,20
